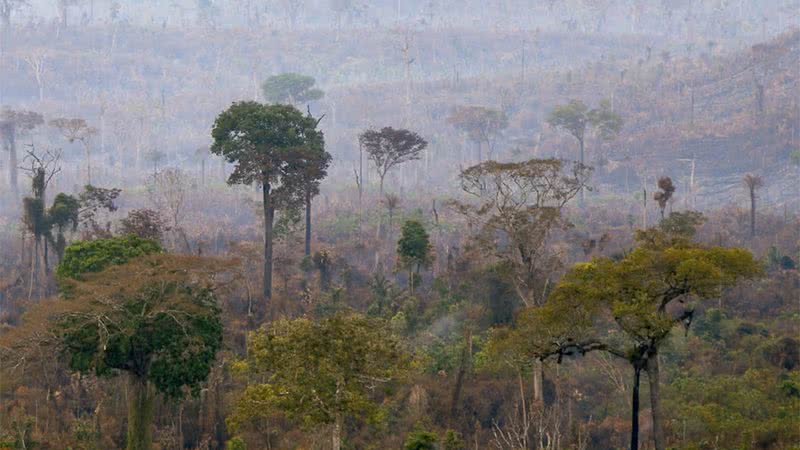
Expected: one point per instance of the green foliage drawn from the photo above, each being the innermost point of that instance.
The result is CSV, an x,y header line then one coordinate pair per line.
x,y
261,139
83,257
420,440
750,410
636,292
161,326
235,443
682,223
452,440
291,88
414,248
574,117
316,372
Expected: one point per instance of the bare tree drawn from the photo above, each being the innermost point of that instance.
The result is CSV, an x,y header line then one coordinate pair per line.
x,y
515,209
37,62
167,191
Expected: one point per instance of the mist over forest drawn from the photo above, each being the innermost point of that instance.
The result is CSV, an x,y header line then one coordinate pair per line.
x,y
399,224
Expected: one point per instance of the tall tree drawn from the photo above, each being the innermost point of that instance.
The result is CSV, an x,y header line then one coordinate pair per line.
x,y
262,141
628,307
389,147
77,130
664,195
309,166
319,373
155,318
575,117
14,124
43,167
515,208
414,250
752,183
482,125
291,88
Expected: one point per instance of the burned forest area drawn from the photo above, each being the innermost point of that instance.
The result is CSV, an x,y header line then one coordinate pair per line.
x,y
400,224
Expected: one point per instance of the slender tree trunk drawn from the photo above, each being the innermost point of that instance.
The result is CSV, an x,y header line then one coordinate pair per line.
x,y
538,377
635,409
337,432
269,215
308,223
655,400
140,414
583,191
46,262
462,372
752,213
88,165
524,408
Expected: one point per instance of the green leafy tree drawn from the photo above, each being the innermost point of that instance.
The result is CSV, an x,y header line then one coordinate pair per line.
x,y
414,250
154,318
309,166
420,440
389,147
319,373
629,307
83,257
291,88
664,194
264,141
575,117
62,216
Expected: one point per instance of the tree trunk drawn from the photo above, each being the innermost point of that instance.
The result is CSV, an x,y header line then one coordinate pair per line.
x,y
88,165
462,371
655,400
337,432
538,377
752,213
308,223
635,409
46,262
583,191
140,414
269,215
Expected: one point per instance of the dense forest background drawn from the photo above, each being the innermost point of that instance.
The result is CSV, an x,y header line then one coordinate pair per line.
x,y
112,105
